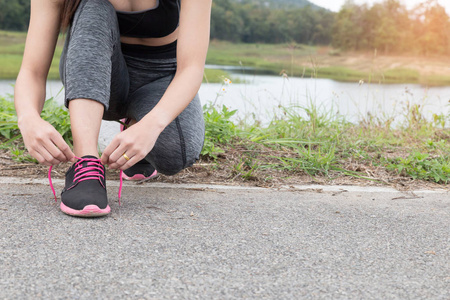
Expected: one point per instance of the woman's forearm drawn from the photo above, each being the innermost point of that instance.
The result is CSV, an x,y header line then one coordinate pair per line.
x,y
29,95
177,97
40,138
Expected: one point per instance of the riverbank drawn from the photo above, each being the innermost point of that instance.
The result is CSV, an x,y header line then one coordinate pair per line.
x,y
290,59
12,46
326,62
300,146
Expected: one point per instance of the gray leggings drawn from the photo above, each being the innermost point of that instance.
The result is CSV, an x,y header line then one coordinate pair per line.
x,y
94,67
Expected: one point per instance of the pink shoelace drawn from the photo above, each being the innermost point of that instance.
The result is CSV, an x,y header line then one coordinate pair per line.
x,y
92,171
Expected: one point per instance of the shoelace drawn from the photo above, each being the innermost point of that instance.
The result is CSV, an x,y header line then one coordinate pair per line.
x,y
86,173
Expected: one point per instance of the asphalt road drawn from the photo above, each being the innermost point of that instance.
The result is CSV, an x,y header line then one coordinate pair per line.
x,y
188,242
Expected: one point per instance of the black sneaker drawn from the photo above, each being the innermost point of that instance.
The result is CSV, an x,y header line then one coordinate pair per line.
x,y
142,170
84,194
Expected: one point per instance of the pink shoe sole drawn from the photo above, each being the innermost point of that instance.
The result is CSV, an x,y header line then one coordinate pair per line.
x,y
139,177
88,211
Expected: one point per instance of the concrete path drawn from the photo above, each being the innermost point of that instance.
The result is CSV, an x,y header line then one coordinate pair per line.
x,y
188,242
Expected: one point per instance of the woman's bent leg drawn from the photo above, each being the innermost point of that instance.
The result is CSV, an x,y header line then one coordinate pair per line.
x,y
94,73
180,144
85,121
95,78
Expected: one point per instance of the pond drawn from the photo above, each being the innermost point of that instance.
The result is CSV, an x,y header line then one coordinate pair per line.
x,y
259,97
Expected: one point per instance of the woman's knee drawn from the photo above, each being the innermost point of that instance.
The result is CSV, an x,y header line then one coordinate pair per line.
x,y
96,8
91,63
95,16
172,160
169,169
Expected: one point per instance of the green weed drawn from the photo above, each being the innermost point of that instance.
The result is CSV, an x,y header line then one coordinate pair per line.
x,y
311,160
310,140
10,135
219,129
245,169
422,166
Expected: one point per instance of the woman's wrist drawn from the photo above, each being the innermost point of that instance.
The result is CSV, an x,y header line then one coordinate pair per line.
x,y
156,120
26,118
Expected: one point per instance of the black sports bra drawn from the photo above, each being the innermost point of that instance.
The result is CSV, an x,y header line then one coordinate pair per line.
x,y
156,22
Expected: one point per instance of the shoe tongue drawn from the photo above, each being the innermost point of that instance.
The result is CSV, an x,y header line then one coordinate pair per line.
x,y
90,156
85,163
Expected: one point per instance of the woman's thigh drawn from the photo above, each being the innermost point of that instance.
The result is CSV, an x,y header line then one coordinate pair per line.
x,y
92,65
180,143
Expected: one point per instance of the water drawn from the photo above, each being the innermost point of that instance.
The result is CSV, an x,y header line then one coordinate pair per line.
x,y
259,97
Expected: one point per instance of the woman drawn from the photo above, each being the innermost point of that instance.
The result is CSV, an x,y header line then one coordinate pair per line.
x,y
141,60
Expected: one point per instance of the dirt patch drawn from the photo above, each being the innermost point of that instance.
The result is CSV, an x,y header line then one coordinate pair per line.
x,y
369,62
224,172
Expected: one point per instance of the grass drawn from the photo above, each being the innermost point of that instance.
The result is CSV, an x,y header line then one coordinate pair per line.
x,y
322,145
322,62
300,141
12,45
342,74
218,76
10,135
292,59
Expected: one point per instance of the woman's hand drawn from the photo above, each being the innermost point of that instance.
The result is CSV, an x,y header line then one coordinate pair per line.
x,y
136,142
44,142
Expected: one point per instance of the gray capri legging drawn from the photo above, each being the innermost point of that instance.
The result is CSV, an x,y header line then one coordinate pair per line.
x,y
93,67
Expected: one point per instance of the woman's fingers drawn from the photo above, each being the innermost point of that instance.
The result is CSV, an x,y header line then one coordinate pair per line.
x,y
61,150
124,155
55,152
45,143
123,164
119,157
113,155
48,158
133,160
106,156
39,157
135,143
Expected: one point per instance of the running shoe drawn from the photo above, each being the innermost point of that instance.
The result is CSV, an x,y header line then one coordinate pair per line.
x,y
84,194
142,170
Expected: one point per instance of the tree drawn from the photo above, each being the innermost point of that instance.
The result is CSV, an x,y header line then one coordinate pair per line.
x,y
389,27
432,28
14,14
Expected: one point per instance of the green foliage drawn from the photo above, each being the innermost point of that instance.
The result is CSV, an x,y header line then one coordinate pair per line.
x,y
11,51
401,75
245,169
14,14
300,140
311,160
8,119
21,155
390,28
58,117
341,73
237,21
252,21
387,26
422,166
53,113
219,129
309,133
